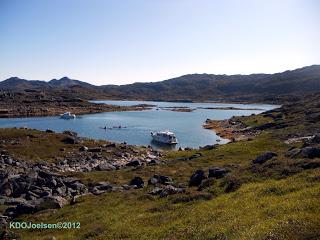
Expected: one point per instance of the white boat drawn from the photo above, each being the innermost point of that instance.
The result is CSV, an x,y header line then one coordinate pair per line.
x,y
68,115
164,137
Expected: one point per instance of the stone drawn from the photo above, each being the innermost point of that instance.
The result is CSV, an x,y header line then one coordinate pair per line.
x,y
311,165
196,178
51,202
316,138
310,152
293,152
105,167
117,189
8,160
20,209
159,179
216,172
104,186
196,155
69,140
156,191
70,133
133,163
96,149
6,189
14,201
170,190
264,157
69,180
208,147
80,187
83,149
111,145
153,162
137,181
126,187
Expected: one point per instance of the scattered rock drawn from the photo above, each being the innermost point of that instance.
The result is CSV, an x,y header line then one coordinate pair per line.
x,y
310,152
196,155
133,163
159,179
83,149
105,167
196,178
216,172
156,191
69,140
208,147
70,133
96,149
137,181
293,152
52,202
152,162
311,165
170,190
264,157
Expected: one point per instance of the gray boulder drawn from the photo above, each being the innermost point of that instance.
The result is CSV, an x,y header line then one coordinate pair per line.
x,y
137,181
216,172
51,202
105,167
156,191
196,178
170,190
264,157
159,179
133,163
310,152
293,152
96,149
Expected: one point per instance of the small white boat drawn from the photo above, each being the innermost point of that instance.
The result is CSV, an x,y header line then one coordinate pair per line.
x,y
164,137
68,115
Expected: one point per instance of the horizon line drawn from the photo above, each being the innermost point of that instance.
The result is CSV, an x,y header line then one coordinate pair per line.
x,y
221,74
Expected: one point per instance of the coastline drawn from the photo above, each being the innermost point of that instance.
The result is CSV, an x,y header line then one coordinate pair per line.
x,y
229,129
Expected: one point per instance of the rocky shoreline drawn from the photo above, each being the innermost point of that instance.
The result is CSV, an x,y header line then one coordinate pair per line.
x,y
44,104
28,187
230,129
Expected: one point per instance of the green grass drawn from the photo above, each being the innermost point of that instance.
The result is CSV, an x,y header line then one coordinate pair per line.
x,y
238,154
274,209
34,146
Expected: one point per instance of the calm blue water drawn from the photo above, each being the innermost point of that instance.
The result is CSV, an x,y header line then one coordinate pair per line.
x,y
138,124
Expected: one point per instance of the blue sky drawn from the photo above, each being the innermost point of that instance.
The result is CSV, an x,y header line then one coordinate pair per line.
x,y
119,41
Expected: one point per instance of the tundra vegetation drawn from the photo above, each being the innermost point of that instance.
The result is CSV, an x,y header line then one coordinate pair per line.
x,y
265,185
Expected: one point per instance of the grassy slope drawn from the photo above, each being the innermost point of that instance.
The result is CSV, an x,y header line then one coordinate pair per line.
x,y
283,209
276,200
277,208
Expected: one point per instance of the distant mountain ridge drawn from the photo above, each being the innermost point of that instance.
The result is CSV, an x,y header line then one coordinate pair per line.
x,y
18,84
191,87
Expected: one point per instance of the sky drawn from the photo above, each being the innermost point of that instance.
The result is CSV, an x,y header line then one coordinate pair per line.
x,y
126,41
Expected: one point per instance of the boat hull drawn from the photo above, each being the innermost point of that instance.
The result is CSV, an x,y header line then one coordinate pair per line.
x,y
161,139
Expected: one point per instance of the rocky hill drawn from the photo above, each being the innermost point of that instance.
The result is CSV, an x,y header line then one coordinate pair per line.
x,y
277,87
